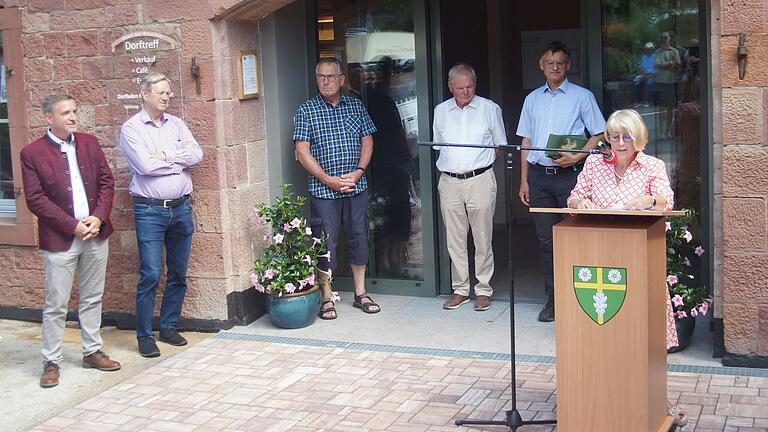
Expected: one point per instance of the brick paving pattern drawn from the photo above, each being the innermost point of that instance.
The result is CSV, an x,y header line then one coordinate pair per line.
x,y
238,385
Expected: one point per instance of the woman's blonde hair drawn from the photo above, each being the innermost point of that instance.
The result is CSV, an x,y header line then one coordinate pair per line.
x,y
629,121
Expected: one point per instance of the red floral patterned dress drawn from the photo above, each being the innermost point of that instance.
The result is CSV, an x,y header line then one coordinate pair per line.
x,y
646,175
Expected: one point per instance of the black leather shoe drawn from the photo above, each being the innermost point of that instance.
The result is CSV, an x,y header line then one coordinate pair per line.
x,y
148,347
172,337
548,313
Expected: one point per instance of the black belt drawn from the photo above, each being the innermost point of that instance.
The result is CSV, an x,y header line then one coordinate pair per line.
x,y
167,203
555,170
470,174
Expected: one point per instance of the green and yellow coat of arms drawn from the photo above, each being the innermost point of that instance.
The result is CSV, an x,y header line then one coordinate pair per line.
x,y
600,291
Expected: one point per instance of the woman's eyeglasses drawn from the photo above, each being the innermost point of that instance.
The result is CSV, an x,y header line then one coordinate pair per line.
x,y
625,138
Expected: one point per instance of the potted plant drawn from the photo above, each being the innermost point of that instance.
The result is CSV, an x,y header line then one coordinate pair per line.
x,y
286,272
689,298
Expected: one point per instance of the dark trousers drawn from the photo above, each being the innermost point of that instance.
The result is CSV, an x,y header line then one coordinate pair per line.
x,y
330,216
549,190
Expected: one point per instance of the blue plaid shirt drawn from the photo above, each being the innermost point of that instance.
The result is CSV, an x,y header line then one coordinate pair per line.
x,y
334,135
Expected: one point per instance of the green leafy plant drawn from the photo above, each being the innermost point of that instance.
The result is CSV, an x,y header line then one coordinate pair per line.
x,y
688,297
290,259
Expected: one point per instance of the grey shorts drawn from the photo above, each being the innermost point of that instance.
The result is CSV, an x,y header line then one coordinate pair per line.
x,y
329,216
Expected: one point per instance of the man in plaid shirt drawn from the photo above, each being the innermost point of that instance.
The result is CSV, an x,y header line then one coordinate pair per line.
x,y
332,133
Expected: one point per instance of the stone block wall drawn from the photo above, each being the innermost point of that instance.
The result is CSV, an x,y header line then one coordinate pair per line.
x,y
740,119
66,47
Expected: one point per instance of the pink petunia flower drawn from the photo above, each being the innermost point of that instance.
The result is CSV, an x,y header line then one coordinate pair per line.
x,y
308,259
278,238
254,278
269,274
302,283
259,287
688,236
257,220
699,250
289,288
668,226
308,231
694,312
681,314
315,240
677,300
326,255
704,308
687,262
671,280
311,280
296,222
286,227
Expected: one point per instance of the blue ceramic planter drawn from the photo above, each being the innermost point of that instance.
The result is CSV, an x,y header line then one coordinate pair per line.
x,y
293,311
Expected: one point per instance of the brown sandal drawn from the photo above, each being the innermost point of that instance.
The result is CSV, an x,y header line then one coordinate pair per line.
x,y
366,307
323,313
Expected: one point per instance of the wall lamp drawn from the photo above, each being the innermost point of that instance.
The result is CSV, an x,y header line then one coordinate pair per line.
x,y
742,55
194,70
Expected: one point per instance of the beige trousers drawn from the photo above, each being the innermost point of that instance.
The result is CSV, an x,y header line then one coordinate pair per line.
x,y
464,204
88,260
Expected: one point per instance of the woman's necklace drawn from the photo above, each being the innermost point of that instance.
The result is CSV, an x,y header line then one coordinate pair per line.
x,y
616,173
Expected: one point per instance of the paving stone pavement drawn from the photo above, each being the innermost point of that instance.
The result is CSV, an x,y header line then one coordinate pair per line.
x,y
225,384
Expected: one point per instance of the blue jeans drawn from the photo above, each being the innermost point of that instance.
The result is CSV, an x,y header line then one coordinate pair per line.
x,y
157,226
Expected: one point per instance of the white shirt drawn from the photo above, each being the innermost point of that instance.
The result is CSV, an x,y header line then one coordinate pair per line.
x,y
79,198
480,122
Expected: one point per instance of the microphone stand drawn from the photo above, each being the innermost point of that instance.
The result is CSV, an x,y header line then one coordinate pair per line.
x,y
513,420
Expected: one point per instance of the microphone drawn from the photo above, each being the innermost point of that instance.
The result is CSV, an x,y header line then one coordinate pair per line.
x,y
605,149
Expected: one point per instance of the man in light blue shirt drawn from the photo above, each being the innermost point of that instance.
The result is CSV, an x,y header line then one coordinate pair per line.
x,y
562,108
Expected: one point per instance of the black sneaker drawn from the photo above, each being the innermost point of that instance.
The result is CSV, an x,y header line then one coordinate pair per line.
x,y
547,314
172,337
148,347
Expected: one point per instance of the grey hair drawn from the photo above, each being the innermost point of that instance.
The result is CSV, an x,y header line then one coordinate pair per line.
x,y
151,79
461,68
50,101
330,60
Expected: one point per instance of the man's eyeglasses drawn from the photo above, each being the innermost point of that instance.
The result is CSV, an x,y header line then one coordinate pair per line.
x,y
167,93
329,78
551,64
625,138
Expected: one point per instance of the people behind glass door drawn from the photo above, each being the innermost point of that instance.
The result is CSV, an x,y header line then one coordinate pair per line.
x,y
646,75
667,66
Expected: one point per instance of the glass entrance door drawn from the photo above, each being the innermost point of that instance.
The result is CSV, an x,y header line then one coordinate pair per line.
x,y
379,41
653,58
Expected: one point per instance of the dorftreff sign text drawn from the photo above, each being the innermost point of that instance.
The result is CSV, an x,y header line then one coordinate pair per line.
x,y
140,53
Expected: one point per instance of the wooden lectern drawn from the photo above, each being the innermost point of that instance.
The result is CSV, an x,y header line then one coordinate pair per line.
x,y
610,330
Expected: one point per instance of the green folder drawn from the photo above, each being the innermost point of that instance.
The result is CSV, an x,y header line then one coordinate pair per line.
x,y
564,143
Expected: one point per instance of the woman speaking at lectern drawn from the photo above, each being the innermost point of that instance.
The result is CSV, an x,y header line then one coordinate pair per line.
x,y
626,178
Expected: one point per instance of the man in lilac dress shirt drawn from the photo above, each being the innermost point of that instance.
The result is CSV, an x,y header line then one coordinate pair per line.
x,y
160,149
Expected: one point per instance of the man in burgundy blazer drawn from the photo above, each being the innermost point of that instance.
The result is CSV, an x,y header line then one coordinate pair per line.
x,y
69,187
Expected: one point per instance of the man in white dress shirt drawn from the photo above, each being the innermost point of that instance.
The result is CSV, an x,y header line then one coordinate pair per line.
x,y
467,185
